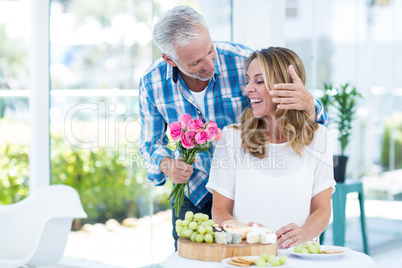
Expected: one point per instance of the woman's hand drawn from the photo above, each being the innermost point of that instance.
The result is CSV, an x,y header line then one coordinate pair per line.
x,y
290,236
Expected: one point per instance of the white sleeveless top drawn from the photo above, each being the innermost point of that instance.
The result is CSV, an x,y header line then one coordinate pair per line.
x,y
276,190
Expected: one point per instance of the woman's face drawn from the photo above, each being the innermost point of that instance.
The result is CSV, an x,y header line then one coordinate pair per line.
x,y
261,100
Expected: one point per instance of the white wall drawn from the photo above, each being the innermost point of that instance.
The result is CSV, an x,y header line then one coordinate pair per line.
x,y
259,23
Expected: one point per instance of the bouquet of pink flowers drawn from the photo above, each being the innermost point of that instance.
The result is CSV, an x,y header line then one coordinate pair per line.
x,y
191,136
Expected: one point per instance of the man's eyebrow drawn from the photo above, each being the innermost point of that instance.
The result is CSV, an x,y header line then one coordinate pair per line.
x,y
212,47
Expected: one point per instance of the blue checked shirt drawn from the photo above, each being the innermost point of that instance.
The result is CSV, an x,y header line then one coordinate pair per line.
x,y
162,102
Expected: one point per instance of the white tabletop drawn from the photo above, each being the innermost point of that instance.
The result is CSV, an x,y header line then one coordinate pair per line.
x,y
350,259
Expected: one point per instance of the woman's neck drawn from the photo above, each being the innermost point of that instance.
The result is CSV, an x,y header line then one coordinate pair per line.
x,y
273,133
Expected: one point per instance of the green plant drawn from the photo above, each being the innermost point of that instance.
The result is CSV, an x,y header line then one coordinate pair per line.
x,y
345,102
326,99
341,100
392,123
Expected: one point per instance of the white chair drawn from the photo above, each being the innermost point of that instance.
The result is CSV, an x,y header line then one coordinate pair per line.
x,y
34,231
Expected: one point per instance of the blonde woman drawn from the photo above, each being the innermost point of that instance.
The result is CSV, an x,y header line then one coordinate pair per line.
x,y
274,168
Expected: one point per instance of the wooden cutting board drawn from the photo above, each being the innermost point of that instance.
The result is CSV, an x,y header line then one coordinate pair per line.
x,y
216,252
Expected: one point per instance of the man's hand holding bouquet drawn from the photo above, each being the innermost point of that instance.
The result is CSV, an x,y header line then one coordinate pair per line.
x,y
190,136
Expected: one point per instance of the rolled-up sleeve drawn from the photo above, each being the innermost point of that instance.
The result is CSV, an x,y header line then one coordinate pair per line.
x,y
322,116
153,144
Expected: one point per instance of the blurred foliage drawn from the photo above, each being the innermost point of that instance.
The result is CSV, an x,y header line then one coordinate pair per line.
x,y
346,99
14,173
394,124
107,186
343,99
14,60
326,99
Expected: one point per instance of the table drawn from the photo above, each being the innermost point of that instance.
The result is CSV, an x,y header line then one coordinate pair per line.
x,y
351,259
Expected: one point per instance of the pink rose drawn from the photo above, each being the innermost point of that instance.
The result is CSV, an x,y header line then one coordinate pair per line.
x,y
201,137
187,140
198,122
175,130
196,126
185,120
213,130
219,135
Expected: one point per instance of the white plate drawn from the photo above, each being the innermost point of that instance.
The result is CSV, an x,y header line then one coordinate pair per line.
x,y
224,262
320,256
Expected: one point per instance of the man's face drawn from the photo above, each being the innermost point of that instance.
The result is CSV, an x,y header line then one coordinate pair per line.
x,y
197,59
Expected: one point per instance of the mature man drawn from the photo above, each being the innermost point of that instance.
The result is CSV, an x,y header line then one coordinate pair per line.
x,y
204,79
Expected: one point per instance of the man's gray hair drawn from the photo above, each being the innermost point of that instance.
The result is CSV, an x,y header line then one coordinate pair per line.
x,y
177,28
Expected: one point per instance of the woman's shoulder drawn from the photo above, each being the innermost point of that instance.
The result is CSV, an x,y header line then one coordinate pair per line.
x,y
320,138
231,133
233,127
322,131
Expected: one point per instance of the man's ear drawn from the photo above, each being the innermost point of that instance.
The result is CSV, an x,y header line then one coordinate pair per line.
x,y
168,60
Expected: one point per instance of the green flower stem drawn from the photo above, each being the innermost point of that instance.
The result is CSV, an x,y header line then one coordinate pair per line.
x,y
177,194
188,156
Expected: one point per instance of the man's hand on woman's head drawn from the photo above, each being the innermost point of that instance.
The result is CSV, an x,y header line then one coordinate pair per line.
x,y
176,169
293,95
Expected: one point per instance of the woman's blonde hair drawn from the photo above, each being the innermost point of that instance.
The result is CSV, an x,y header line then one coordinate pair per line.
x,y
292,124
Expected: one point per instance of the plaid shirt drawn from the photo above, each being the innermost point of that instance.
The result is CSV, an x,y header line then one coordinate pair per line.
x,y
162,101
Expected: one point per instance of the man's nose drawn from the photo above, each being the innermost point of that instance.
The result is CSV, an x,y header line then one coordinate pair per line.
x,y
211,62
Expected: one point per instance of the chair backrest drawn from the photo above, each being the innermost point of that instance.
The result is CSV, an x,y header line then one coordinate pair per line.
x,y
35,230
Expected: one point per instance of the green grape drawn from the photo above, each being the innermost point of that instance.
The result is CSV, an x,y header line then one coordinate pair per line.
x,y
198,217
201,229
299,248
274,261
260,262
304,250
183,230
205,217
211,222
188,233
179,222
206,223
185,222
178,230
193,236
199,238
266,256
208,238
213,234
193,225
189,216
283,259
314,249
208,229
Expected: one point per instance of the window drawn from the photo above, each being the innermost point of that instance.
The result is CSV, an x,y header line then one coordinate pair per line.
x,y
14,100
99,51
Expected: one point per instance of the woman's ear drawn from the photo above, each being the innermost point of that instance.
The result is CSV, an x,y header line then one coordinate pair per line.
x,y
169,60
